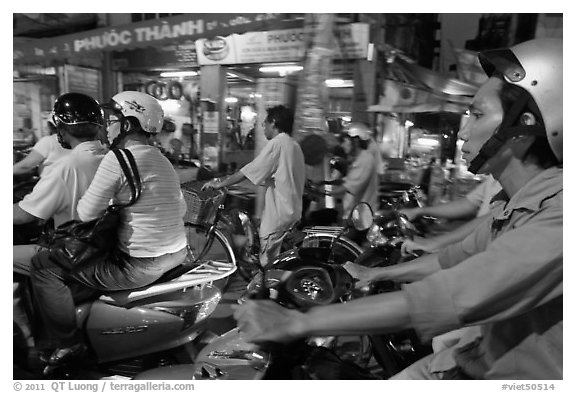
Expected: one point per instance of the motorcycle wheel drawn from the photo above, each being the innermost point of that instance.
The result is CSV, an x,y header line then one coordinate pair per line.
x,y
219,250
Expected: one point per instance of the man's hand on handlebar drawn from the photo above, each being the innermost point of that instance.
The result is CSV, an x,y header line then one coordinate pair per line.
x,y
262,321
363,274
214,184
417,246
411,214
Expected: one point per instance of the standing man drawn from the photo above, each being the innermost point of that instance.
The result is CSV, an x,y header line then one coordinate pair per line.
x,y
281,170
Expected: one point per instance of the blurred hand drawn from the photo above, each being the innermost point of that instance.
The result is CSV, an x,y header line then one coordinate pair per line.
x,y
211,185
411,247
411,214
361,273
263,321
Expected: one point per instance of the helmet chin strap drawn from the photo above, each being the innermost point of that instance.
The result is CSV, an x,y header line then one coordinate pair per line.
x,y
504,132
61,140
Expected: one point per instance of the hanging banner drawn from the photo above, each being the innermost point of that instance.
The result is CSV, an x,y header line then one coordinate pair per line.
x,y
277,46
156,32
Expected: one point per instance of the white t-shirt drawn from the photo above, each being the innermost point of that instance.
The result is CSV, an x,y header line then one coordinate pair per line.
x,y
58,191
49,148
154,225
280,168
483,194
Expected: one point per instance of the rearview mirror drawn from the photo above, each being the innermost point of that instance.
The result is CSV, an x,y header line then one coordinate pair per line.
x,y
362,216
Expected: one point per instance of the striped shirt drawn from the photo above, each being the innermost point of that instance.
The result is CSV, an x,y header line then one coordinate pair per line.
x,y
154,225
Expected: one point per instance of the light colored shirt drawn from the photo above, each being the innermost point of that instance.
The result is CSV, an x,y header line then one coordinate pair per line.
x,y
49,148
374,149
59,189
154,225
361,183
281,170
482,195
511,287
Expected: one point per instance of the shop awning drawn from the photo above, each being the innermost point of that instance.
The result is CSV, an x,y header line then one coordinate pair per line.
x,y
156,32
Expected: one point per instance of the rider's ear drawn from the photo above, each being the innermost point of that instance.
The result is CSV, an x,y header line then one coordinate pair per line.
x,y
125,124
527,119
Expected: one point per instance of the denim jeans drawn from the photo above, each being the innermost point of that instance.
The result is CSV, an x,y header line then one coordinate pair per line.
x,y
56,291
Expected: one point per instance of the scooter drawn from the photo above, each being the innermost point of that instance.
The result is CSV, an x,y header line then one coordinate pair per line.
x,y
129,331
300,278
389,229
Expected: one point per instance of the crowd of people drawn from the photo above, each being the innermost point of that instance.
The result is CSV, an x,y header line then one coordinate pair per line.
x,y
497,280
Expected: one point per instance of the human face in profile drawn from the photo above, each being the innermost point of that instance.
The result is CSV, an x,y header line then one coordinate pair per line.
x,y
484,117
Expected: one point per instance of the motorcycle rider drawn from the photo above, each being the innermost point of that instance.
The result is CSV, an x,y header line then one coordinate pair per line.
x,y
151,235
280,168
78,120
505,277
361,181
474,204
44,153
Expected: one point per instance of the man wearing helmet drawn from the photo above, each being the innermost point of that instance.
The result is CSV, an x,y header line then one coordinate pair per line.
x,y
506,277
151,235
361,181
78,119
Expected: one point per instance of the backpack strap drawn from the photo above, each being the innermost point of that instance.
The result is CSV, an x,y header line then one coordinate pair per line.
x,y
132,175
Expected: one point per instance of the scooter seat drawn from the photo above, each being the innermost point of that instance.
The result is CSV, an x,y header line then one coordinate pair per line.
x,y
173,280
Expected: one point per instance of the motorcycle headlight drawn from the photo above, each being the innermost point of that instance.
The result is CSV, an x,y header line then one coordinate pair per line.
x,y
376,236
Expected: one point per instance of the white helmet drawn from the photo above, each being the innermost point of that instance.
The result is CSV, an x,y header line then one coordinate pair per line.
x,y
145,108
360,130
535,66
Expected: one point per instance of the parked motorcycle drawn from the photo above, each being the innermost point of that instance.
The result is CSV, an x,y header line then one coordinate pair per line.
x,y
132,330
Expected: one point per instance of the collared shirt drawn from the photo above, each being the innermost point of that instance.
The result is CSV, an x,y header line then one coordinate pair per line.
x,y
154,225
60,188
361,183
482,195
280,168
506,277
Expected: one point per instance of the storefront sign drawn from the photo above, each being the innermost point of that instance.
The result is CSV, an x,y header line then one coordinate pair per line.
x,y
277,46
177,55
155,32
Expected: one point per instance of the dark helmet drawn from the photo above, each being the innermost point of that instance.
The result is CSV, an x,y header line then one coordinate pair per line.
x,y
77,108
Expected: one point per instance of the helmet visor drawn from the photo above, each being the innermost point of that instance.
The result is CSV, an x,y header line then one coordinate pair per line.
x,y
503,61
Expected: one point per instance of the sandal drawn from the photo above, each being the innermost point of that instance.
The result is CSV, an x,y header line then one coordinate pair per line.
x,y
63,355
